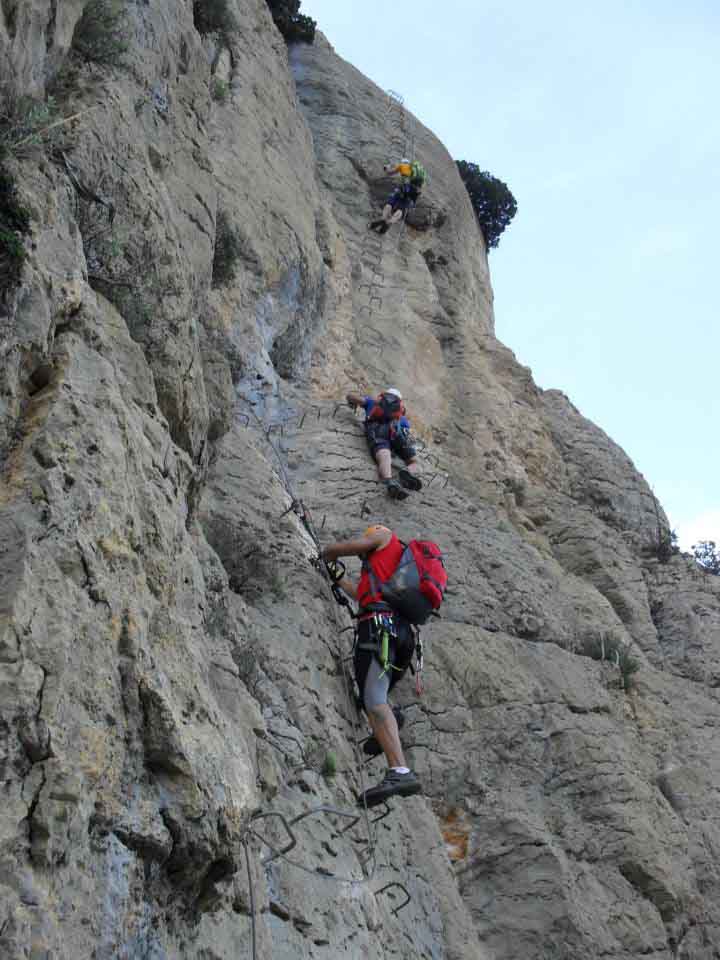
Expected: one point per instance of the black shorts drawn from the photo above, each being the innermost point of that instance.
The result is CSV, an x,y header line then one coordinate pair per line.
x,y
402,198
385,436
374,684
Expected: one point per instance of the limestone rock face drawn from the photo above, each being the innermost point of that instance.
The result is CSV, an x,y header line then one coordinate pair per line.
x,y
179,757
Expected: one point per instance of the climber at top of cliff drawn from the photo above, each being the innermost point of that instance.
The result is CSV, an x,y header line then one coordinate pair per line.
x,y
383,651
387,431
404,196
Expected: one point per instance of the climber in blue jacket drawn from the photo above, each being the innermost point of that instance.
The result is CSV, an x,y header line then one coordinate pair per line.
x,y
387,431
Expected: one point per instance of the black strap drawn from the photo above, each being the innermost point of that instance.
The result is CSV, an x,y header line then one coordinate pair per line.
x,y
426,576
340,597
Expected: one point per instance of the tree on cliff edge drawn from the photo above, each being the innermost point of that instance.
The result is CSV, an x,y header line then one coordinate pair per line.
x,y
492,201
708,556
294,27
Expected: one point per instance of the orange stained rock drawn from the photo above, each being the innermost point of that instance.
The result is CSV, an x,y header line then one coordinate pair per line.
x,y
456,833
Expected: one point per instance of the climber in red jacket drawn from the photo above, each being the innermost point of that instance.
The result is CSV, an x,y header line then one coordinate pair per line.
x,y
383,651
387,431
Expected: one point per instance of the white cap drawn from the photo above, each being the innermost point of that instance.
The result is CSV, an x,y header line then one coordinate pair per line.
x,y
404,160
394,393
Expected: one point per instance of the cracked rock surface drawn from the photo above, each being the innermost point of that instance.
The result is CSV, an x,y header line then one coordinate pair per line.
x,y
171,664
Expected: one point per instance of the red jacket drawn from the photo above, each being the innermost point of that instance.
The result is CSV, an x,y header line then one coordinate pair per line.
x,y
383,563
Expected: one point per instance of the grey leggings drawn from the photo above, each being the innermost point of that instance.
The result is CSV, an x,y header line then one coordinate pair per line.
x,y
374,684
377,685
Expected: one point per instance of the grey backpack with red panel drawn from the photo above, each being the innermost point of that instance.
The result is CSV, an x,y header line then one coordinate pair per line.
x,y
416,588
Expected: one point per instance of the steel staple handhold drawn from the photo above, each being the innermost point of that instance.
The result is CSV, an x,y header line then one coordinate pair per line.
x,y
400,886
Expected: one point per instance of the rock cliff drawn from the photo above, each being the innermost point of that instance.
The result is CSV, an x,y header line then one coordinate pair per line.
x,y
172,683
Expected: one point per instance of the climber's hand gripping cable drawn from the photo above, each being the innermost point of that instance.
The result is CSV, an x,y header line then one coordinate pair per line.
x,y
335,570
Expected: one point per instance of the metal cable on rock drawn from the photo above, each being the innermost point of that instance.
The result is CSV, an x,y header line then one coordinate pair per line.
x,y
251,895
347,683
303,514
371,251
278,854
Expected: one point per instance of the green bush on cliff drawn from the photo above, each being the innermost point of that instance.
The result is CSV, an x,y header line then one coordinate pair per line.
x,y
611,648
101,34
492,201
214,16
218,90
294,27
707,555
14,225
228,250
25,123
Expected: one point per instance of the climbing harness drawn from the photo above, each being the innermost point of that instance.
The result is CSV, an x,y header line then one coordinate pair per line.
x,y
385,627
383,631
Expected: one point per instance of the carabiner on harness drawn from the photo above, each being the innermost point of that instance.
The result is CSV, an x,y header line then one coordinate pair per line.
x,y
336,570
385,630
419,663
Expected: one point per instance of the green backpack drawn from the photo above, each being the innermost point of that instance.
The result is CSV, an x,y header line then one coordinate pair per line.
x,y
418,176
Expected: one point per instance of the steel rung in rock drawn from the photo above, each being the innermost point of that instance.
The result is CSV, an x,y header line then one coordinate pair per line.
x,y
400,886
352,815
277,852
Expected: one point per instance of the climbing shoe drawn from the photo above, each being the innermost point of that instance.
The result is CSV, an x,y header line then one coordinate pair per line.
x,y
395,491
371,747
394,784
410,480
377,224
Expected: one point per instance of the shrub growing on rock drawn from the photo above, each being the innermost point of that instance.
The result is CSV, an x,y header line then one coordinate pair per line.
x,y
329,767
228,250
218,90
101,34
14,225
25,122
665,546
708,556
214,16
610,648
294,27
492,201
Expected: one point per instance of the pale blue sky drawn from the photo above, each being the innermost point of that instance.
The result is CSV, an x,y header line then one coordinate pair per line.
x,y
603,120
